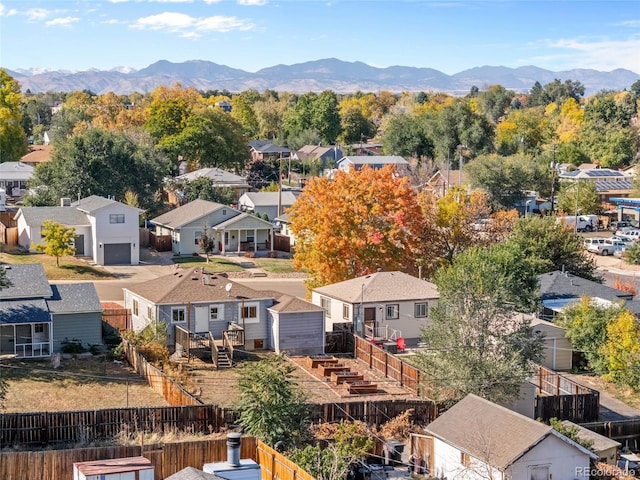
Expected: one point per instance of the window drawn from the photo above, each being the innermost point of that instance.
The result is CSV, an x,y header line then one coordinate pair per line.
x,y
149,312
135,307
213,313
38,328
196,237
422,310
345,311
224,212
465,459
393,311
250,313
178,315
326,304
116,218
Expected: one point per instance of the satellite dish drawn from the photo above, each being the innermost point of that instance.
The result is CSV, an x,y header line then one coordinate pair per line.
x,y
228,286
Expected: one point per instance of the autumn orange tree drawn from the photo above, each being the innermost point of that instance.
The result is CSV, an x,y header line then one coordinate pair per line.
x,y
354,224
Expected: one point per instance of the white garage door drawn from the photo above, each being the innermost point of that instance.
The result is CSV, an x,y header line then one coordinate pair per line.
x,y
117,254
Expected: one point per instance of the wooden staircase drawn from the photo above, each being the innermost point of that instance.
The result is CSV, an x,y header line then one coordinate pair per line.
x,y
222,358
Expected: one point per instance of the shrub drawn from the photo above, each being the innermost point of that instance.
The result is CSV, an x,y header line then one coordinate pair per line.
x,y
632,254
71,346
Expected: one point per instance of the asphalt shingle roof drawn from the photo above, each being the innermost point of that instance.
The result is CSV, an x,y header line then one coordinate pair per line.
x,y
192,285
15,171
74,298
68,216
381,287
375,159
27,281
289,304
215,174
565,285
270,199
94,203
476,426
190,473
188,213
24,311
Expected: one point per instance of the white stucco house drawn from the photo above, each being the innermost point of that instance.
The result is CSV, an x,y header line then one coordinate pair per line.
x,y
266,203
387,305
234,231
354,162
106,230
477,439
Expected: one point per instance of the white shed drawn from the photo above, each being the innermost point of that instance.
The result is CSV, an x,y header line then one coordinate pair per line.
x,y
130,468
557,350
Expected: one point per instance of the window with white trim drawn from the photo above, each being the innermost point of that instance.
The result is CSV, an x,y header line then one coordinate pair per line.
x,y
149,312
249,313
326,304
214,314
178,315
421,310
134,308
345,311
116,218
38,328
393,311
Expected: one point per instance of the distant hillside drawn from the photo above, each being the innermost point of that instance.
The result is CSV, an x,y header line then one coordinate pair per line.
x,y
315,76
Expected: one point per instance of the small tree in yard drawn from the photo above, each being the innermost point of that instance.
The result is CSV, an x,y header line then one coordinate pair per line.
x,y
206,242
59,240
272,405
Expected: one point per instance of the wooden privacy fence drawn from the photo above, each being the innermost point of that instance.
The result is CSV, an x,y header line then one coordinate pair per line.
x,y
167,459
274,465
50,428
116,316
389,365
161,243
562,398
627,432
173,393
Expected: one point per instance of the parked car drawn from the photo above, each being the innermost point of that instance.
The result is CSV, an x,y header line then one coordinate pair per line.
x,y
627,240
587,242
633,233
608,247
614,226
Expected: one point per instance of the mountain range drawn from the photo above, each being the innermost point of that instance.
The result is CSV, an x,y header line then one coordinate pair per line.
x,y
313,76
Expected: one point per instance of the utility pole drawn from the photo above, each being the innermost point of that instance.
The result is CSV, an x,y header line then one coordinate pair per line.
x,y
554,167
280,187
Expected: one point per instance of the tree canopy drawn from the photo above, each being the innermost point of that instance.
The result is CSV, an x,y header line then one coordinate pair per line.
x,y
13,139
58,240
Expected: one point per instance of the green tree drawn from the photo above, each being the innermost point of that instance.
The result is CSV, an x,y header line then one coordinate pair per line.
x,y
242,111
551,246
405,135
271,404
494,101
59,240
622,350
578,197
326,117
571,432
333,461
13,140
477,343
207,241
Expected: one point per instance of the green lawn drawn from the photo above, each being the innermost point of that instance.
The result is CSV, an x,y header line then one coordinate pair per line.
x,y
274,265
215,265
70,268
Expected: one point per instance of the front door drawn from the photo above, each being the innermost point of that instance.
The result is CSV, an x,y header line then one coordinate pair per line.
x,y
79,243
370,319
202,319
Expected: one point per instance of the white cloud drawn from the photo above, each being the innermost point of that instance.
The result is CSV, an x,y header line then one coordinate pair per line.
x,y
171,1
601,54
188,26
7,12
35,14
210,2
62,21
253,3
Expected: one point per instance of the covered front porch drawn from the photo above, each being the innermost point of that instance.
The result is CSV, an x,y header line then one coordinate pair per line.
x,y
26,340
244,233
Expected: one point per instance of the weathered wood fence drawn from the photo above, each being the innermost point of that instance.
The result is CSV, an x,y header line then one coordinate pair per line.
x,y
117,317
275,466
173,393
562,398
161,243
627,432
389,365
167,459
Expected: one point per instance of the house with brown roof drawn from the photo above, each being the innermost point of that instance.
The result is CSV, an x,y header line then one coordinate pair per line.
x,y
233,230
477,439
203,303
37,154
387,305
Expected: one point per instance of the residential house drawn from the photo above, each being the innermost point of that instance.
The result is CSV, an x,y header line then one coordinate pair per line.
x,y
560,289
282,225
386,305
200,303
36,317
219,179
37,154
14,177
325,155
233,230
366,149
349,163
224,105
477,439
443,180
263,149
267,202
609,183
106,230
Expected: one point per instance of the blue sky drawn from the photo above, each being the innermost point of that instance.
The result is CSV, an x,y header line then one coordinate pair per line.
x,y
448,35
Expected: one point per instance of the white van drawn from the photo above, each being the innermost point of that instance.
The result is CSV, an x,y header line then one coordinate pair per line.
x,y
631,233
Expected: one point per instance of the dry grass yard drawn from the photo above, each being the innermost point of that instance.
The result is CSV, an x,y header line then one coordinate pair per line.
x,y
71,268
78,384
